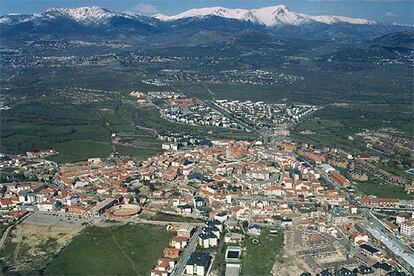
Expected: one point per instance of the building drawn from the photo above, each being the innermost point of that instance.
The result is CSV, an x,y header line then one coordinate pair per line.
x,y
315,156
222,217
207,240
171,253
360,176
371,251
359,238
198,263
100,207
178,242
233,238
232,269
341,180
254,230
185,231
233,254
50,205
215,223
407,228
163,267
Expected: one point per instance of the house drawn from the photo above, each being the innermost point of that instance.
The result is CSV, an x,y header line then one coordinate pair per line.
x,y
6,203
359,238
185,231
222,217
286,222
198,263
164,265
212,229
172,253
215,223
185,209
159,273
207,240
178,242
254,230
233,238
199,202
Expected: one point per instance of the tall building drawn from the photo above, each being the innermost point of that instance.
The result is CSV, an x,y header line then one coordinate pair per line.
x,y
407,228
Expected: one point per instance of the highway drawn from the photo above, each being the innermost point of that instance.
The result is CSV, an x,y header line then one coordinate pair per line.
x,y
185,255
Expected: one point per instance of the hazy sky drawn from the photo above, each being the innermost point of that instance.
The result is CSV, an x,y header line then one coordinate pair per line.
x,y
399,11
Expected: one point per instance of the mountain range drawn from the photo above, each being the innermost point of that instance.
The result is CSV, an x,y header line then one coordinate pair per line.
x,y
100,23
267,16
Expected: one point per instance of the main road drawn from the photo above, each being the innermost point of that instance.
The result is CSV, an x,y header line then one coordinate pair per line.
x,y
379,229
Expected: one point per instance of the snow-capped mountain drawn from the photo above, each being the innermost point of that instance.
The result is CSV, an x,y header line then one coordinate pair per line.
x,y
84,15
100,23
268,16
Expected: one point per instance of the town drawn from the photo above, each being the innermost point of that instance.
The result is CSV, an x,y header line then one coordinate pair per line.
x,y
211,138
234,191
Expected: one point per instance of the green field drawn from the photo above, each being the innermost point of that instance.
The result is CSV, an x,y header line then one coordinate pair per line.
x,y
78,150
388,191
333,124
173,218
259,259
140,153
120,250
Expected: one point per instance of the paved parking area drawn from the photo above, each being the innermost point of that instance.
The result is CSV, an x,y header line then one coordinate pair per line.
x,y
52,218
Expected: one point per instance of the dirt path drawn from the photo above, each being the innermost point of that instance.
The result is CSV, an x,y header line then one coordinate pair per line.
x,y
123,252
17,250
4,237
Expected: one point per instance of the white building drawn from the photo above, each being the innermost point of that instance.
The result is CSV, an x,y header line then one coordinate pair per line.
x,y
407,228
47,206
198,264
207,240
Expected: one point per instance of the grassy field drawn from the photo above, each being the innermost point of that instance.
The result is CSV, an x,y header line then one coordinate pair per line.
x,y
388,191
139,153
120,250
78,150
259,259
173,218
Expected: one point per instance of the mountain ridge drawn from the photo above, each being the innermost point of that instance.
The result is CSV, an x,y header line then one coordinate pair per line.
x,y
99,23
269,16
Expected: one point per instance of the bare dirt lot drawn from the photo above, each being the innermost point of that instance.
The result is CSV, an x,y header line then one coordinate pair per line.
x,y
287,265
30,246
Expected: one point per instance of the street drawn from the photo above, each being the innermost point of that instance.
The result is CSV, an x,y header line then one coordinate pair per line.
x,y
185,255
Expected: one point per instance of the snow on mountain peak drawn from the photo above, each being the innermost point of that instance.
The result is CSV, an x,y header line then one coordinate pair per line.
x,y
88,15
210,11
329,19
268,16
